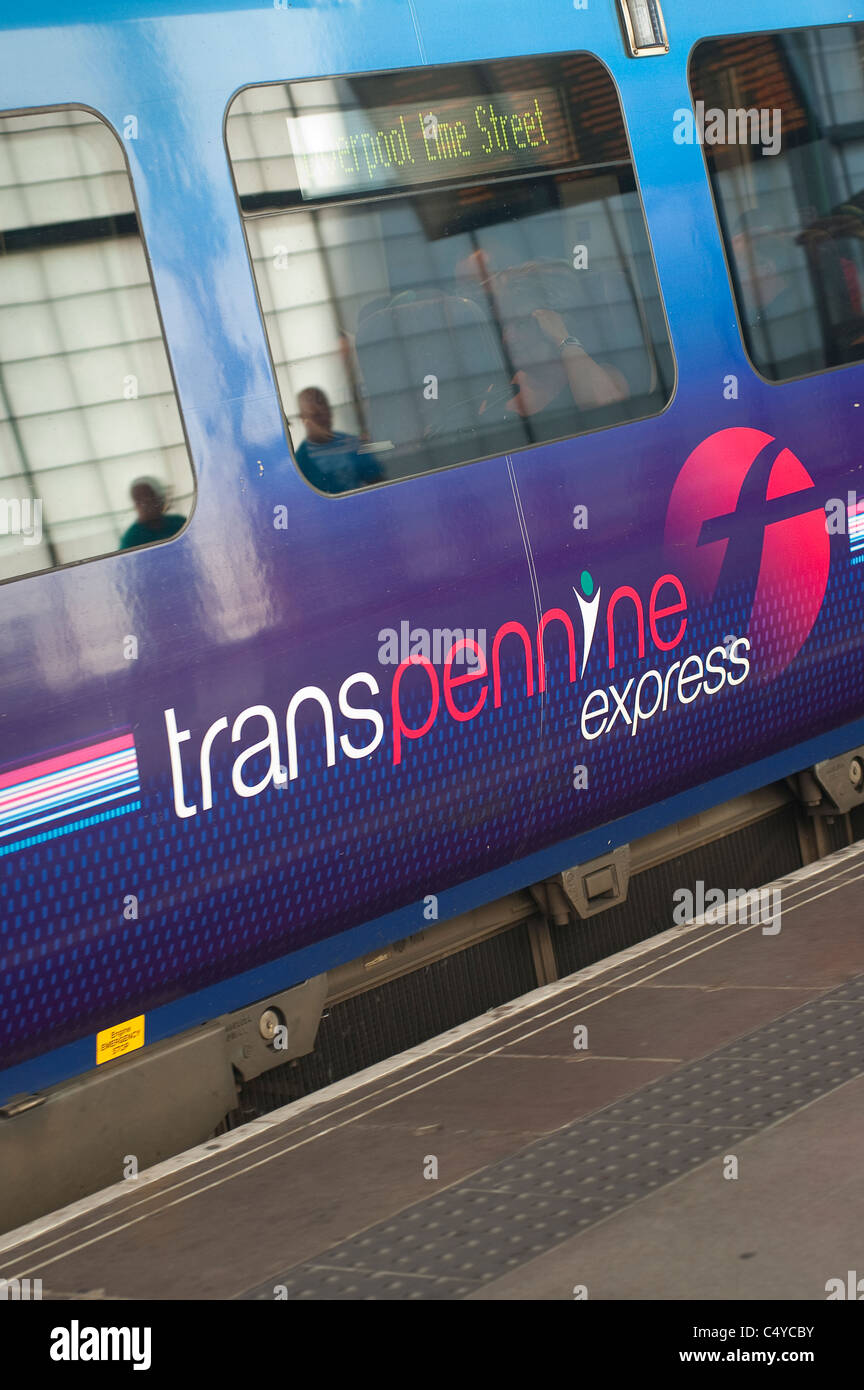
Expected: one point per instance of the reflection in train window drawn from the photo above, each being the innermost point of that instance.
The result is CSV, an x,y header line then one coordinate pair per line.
x,y
452,263
92,453
783,126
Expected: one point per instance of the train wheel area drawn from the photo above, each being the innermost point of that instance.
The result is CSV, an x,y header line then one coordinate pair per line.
x,y
681,1121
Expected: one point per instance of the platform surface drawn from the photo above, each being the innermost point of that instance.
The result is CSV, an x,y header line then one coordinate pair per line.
x,y
500,1161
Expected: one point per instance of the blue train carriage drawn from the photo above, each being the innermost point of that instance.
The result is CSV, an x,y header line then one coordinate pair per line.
x,y
430,450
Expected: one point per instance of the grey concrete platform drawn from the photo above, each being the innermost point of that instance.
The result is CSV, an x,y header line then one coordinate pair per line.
x,y
792,1220
555,1167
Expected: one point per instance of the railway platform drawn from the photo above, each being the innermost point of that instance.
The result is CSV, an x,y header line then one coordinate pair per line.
x,y
682,1121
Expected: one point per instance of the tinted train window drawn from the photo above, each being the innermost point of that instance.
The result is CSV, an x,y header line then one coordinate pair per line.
x,y
424,242
782,119
92,453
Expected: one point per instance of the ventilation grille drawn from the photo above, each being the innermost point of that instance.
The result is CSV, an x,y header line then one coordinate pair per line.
x,y
370,1027
747,858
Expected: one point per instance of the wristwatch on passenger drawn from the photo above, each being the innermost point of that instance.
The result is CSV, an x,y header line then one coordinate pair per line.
x,y
570,342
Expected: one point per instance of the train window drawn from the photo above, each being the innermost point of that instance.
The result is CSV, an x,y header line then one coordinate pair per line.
x,y
92,451
451,263
781,117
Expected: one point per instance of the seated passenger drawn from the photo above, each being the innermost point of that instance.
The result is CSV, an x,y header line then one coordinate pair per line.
x,y
537,306
155,523
331,460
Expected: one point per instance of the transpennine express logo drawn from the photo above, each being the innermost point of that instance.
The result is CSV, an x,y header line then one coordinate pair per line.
x,y
745,508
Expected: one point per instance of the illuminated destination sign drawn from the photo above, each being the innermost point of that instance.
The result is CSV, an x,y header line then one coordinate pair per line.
x,y
347,151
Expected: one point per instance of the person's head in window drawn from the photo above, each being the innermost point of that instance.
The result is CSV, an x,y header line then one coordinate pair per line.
x,y
150,498
539,306
316,414
331,460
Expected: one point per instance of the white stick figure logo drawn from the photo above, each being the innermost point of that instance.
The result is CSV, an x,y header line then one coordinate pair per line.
x,y
588,606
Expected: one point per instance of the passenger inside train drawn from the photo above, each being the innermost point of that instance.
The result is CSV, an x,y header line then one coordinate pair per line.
x,y
537,311
150,498
488,360
331,460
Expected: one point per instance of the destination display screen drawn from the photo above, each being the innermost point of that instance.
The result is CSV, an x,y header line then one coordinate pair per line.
x,y
338,150
350,151
391,146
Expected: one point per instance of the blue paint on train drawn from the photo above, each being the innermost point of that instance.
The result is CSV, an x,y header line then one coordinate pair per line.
x,y
260,892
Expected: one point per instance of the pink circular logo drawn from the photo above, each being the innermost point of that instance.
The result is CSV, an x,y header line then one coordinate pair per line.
x,y
742,506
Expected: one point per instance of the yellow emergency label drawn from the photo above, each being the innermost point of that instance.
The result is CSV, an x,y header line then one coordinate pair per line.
x,y
122,1038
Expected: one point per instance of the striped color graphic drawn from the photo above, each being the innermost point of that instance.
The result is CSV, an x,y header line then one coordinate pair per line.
x,y
856,529
65,791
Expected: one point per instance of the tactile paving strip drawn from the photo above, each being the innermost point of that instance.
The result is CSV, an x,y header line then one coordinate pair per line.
x,y
735,1091
599,1160
508,1213
832,1036
853,989
318,1282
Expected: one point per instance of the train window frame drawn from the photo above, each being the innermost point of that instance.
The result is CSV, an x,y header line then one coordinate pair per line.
x,y
52,108
775,382
372,199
